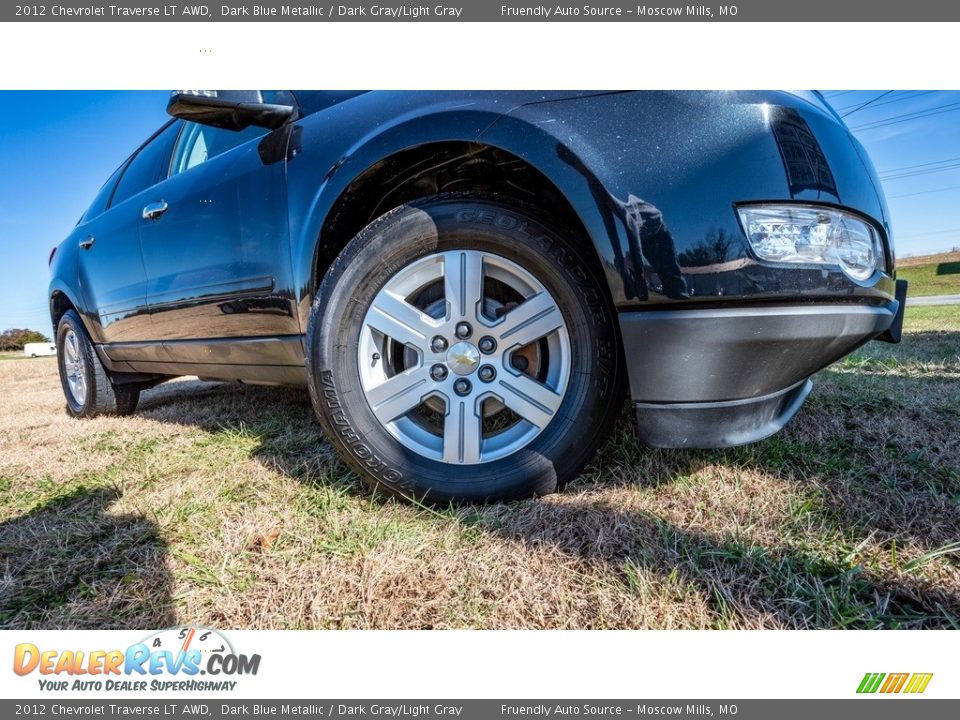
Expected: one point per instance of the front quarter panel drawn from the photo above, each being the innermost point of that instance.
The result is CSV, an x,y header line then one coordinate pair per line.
x,y
332,147
682,160
64,280
719,347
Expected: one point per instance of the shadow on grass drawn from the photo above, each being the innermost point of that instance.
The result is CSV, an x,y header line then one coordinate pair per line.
x,y
744,583
872,458
918,349
72,563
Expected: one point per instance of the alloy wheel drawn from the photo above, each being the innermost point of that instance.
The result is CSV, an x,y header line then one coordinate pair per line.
x,y
75,366
464,357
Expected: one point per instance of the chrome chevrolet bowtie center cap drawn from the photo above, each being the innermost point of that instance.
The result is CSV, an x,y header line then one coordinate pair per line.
x,y
463,358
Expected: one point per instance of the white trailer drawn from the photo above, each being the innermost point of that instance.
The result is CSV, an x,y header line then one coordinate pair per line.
x,y
38,349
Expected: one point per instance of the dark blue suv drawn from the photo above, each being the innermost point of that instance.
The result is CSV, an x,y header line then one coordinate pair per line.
x,y
467,281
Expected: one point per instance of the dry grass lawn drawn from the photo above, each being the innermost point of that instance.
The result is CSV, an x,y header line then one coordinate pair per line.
x,y
222,505
915,260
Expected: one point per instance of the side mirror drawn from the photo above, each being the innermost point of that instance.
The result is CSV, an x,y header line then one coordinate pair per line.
x,y
229,109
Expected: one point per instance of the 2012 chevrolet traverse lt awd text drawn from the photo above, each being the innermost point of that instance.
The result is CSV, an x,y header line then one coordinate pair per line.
x,y
467,281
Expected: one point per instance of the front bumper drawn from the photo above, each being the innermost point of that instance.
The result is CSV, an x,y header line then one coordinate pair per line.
x,y
704,378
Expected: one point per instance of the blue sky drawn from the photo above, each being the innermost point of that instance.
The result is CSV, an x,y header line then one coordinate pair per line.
x,y
57,148
913,137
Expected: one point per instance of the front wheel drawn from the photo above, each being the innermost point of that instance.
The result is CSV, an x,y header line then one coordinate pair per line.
x,y
463,350
88,389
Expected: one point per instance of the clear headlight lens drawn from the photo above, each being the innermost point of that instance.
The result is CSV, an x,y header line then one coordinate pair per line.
x,y
808,234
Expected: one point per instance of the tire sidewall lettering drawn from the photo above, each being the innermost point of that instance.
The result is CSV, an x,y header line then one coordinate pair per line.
x,y
351,439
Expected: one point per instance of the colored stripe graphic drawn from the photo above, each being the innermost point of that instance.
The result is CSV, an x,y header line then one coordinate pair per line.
x,y
894,683
870,682
918,682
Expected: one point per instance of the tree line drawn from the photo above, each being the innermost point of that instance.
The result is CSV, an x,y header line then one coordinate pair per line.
x,y
16,338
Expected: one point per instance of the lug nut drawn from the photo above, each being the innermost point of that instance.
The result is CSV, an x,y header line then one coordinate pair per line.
x,y
486,373
438,344
487,344
463,330
520,363
462,387
438,372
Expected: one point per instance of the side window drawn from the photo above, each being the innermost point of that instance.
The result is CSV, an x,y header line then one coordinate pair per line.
x,y
199,143
99,203
147,166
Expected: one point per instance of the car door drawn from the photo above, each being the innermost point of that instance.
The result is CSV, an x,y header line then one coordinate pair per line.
x,y
215,243
111,271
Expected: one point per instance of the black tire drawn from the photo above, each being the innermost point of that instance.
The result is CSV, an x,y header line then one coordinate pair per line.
x,y
593,394
101,395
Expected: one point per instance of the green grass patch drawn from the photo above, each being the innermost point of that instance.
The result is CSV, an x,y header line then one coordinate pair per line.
x,y
926,318
930,345
935,278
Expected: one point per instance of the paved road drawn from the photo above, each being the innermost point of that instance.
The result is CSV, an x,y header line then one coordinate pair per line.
x,y
933,299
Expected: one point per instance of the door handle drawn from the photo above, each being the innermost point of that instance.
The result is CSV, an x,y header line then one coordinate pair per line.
x,y
154,210
88,243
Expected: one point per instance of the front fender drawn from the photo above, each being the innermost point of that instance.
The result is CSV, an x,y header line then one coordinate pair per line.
x,y
335,147
655,177
543,135
330,149
65,281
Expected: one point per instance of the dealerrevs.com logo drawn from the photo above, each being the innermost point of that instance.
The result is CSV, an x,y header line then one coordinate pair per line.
x,y
180,659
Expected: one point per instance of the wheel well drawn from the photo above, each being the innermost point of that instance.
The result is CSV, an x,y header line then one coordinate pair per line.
x,y
436,168
59,304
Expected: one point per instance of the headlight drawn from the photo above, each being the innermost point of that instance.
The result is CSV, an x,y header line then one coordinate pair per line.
x,y
812,235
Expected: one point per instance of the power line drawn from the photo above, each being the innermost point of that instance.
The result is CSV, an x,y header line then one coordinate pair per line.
x,y
30,319
931,232
24,324
32,307
858,108
26,309
925,192
907,117
919,165
919,173
893,100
